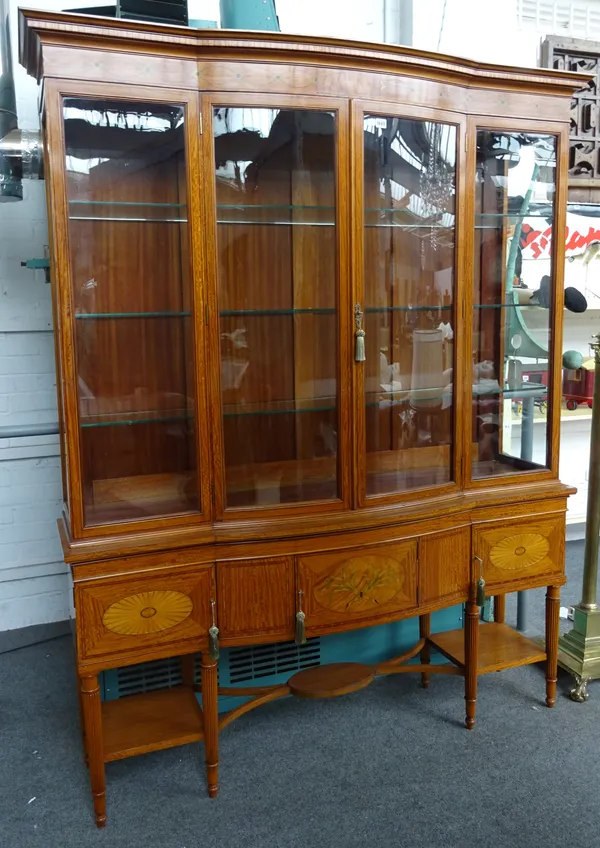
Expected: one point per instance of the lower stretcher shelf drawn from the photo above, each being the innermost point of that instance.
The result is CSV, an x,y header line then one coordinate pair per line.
x,y
500,646
152,721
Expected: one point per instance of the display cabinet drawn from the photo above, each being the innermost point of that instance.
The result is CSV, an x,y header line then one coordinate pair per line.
x,y
294,316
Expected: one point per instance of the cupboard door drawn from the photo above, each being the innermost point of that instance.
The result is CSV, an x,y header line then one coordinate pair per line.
x,y
256,600
409,180
277,266
132,305
445,566
513,551
149,615
513,302
357,587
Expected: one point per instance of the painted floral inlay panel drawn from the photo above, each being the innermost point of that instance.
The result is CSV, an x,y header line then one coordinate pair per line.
x,y
361,584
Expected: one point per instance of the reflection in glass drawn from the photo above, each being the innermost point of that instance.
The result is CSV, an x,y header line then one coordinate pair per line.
x,y
513,274
277,278
409,198
127,209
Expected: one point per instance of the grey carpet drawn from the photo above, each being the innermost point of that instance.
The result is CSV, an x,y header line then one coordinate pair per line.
x,y
388,766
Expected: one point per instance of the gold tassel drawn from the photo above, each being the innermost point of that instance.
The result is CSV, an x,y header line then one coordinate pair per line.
x,y
359,350
480,599
300,622
213,642
213,635
300,628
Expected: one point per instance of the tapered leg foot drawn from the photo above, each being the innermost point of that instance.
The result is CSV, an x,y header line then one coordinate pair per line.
x,y
210,709
425,633
552,627
92,721
471,640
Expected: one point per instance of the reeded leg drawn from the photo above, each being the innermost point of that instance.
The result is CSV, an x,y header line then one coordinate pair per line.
x,y
552,625
425,633
471,640
499,608
210,709
92,719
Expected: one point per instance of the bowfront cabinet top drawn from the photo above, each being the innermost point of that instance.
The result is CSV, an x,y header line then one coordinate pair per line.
x,y
300,285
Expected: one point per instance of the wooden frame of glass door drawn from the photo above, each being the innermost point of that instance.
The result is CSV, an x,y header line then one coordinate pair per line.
x,y
359,108
55,92
299,103
561,131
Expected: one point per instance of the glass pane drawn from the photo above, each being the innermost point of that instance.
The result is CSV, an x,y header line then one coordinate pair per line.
x,y
410,187
128,237
513,278
277,277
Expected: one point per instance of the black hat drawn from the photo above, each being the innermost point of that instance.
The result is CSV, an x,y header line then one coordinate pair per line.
x,y
574,300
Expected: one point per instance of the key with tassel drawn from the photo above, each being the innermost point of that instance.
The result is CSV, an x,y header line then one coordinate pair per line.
x,y
213,635
359,335
300,621
480,597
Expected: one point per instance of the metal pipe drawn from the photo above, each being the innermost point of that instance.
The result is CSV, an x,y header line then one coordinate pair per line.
x,y
398,21
18,431
592,525
20,150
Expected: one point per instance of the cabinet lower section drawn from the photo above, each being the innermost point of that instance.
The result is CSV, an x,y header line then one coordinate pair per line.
x,y
152,606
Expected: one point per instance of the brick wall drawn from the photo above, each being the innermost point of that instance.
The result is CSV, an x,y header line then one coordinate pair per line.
x,y
33,576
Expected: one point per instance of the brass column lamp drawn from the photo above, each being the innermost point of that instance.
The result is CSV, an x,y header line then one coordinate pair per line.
x,y
579,650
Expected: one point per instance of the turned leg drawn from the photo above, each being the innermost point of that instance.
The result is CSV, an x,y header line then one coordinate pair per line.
x,y
210,709
92,720
552,623
499,608
471,640
188,676
425,633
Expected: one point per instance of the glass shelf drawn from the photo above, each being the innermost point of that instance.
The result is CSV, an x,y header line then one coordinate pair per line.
x,y
125,211
275,408
509,305
126,419
532,389
276,215
100,315
229,313
408,308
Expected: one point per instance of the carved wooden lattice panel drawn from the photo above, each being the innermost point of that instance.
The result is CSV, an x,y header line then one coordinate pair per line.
x,y
574,54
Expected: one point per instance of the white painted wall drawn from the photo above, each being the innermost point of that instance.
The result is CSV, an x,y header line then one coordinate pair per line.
x,y
33,577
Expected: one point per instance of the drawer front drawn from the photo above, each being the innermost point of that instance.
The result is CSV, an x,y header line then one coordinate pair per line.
x,y
520,550
445,566
256,600
358,586
145,616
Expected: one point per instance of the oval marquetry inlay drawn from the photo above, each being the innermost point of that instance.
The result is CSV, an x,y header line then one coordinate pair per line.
x,y
360,584
147,612
520,551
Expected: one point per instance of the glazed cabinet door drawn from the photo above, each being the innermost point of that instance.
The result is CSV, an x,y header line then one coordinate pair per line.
x,y
406,233
281,384
517,300
126,260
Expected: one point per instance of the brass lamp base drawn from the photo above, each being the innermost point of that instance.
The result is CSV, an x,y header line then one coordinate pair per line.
x,y
579,651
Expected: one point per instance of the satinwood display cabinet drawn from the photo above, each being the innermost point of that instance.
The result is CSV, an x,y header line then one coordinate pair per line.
x,y
291,327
